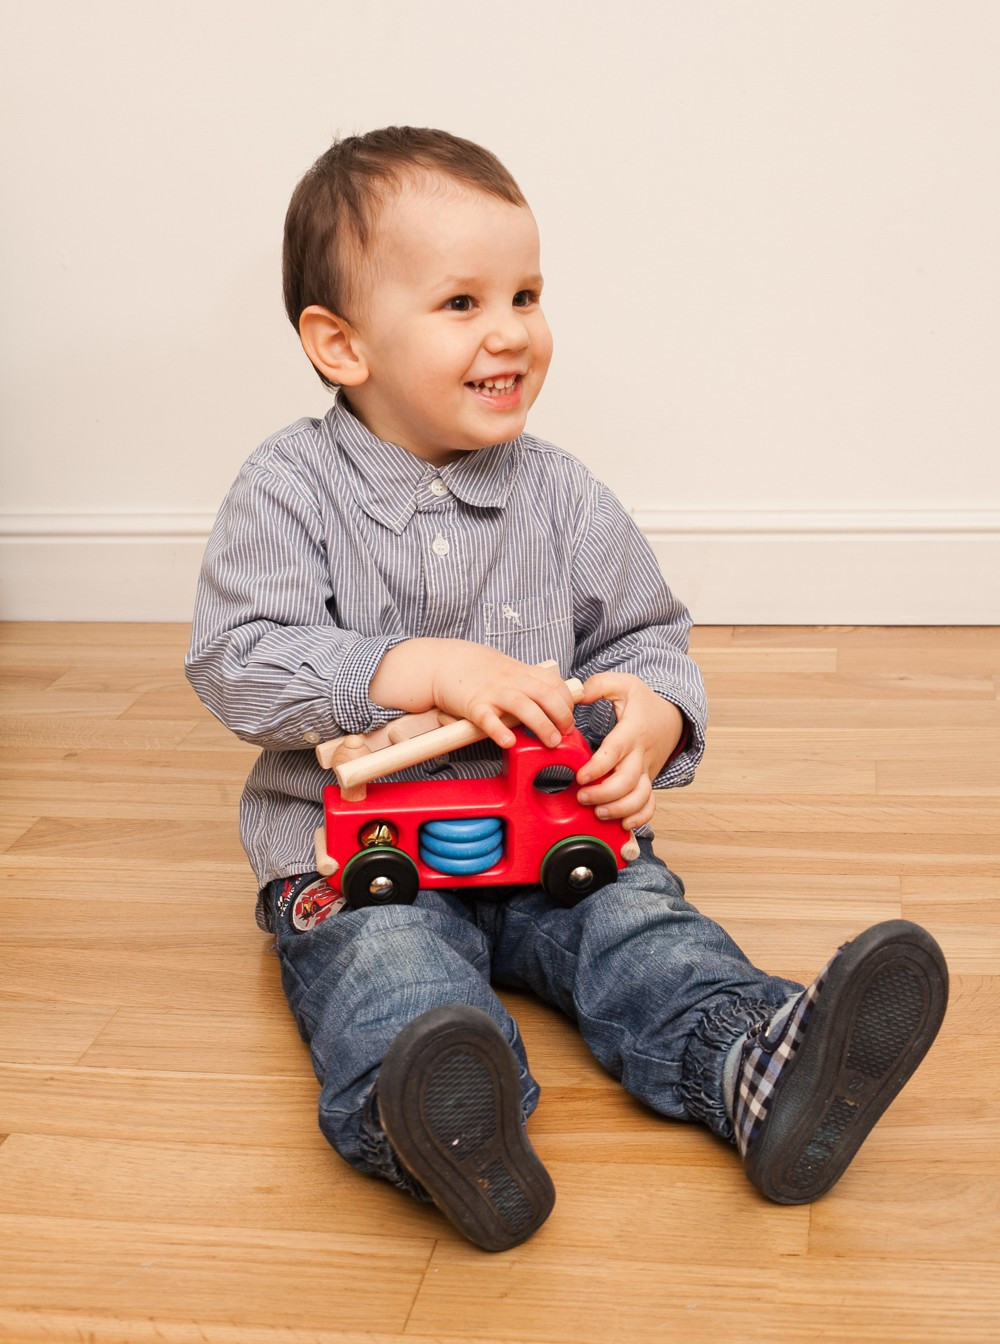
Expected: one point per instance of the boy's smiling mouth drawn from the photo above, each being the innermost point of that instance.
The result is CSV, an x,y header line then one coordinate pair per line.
x,y
496,388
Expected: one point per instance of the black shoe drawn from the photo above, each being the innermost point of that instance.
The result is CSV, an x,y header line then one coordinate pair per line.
x,y
449,1101
812,1085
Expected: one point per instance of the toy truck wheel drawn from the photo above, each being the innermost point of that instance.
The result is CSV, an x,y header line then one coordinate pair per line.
x,y
574,868
380,876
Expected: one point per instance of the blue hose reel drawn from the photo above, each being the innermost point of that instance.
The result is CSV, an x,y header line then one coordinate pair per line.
x,y
463,845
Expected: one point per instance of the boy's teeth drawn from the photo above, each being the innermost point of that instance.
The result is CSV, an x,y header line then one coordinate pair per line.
x,y
496,384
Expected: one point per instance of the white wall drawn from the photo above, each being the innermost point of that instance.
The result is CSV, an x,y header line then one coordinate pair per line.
x,y
770,238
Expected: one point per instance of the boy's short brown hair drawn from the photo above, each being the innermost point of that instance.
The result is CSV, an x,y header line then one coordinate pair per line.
x,y
334,209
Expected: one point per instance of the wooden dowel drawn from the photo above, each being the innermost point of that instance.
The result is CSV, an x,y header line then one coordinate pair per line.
x,y
350,751
398,730
325,751
416,750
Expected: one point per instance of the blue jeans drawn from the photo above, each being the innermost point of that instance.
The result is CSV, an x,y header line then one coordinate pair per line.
x,y
659,992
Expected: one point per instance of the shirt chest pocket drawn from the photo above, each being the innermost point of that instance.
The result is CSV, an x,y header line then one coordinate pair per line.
x,y
531,627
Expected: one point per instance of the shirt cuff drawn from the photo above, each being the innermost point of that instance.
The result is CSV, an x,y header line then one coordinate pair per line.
x,y
352,708
680,768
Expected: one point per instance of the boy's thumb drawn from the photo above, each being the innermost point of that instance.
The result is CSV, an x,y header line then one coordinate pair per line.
x,y
601,686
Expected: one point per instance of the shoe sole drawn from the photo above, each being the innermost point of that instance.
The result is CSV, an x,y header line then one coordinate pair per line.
x,y
873,1022
449,1100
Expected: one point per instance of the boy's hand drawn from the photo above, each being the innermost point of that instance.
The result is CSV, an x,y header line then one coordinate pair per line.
x,y
472,681
633,753
478,683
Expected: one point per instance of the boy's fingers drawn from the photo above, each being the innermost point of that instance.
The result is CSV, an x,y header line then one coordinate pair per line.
x,y
560,711
544,686
604,686
536,697
550,706
635,809
610,754
596,768
494,727
535,716
612,789
613,782
640,818
548,672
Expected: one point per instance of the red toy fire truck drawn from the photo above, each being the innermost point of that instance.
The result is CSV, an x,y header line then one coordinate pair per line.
x,y
395,838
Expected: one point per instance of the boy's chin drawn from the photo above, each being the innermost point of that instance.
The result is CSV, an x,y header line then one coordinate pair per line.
x,y
500,432
499,429
454,454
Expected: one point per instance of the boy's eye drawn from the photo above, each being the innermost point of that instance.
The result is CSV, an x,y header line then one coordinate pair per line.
x,y
524,298
461,303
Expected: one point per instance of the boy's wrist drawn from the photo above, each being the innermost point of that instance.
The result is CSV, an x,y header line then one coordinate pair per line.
x,y
404,679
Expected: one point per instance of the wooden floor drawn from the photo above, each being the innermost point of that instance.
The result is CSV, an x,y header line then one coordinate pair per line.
x,y
162,1177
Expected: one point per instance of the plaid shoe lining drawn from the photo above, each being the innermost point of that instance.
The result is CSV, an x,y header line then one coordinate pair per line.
x,y
764,1057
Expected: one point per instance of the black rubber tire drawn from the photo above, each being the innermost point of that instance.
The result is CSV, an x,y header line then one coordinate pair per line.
x,y
579,851
380,861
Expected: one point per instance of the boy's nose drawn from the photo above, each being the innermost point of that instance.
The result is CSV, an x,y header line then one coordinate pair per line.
x,y
507,332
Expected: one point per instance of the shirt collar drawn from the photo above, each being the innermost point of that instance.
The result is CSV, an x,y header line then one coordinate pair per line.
x,y
389,479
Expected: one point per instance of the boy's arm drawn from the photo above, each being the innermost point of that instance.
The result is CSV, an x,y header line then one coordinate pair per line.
x,y
267,656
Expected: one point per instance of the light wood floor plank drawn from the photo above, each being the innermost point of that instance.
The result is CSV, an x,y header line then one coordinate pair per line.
x,y
858,685
193,1273
81,732
13,825
180,1039
791,852
527,1297
57,840
910,641
735,661
146,1104
41,1031
25,702
780,714
212,1185
942,776
58,1327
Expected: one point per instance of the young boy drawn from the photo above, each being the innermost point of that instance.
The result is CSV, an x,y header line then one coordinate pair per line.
x,y
416,549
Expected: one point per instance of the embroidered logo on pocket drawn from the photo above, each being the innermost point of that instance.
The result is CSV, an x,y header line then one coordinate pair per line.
x,y
315,903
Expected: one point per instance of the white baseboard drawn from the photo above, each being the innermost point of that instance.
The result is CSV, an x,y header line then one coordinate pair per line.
x,y
100,566
775,567
831,567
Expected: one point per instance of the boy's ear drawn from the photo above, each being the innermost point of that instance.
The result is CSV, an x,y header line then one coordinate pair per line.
x,y
332,345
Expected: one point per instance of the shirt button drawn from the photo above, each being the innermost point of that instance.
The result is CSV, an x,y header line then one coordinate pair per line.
x,y
438,487
439,545
312,738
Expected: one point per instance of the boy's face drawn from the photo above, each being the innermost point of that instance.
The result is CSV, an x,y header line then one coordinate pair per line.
x,y
450,330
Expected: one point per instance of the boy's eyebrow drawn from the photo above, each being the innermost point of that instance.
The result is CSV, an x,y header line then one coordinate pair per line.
x,y
459,282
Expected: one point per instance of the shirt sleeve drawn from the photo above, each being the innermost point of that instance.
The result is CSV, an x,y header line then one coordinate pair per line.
x,y
628,620
267,657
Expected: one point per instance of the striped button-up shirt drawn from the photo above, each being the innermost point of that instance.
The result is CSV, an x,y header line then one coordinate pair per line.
x,y
333,547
